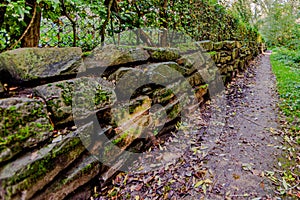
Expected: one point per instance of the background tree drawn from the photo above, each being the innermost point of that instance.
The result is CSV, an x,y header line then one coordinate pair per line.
x,y
32,20
87,23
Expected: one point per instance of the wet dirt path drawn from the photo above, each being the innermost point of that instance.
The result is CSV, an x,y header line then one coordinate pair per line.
x,y
224,159
246,149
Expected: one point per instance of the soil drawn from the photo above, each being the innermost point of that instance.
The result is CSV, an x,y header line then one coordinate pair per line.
x,y
230,148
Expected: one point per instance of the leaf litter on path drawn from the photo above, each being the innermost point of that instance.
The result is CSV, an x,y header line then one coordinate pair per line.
x,y
230,159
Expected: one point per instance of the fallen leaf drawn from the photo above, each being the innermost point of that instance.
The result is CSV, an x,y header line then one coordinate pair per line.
x,y
246,167
198,183
138,187
262,185
208,181
204,188
284,184
236,176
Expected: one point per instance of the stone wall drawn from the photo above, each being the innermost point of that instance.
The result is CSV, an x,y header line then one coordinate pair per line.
x,y
57,107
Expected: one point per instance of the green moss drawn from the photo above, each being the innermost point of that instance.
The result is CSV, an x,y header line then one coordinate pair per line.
x,y
22,124
163,54
65,152
205,86
120,138
187,47
85,170
67,91
212,53
173,111
101,96
88,168
86,54
165,96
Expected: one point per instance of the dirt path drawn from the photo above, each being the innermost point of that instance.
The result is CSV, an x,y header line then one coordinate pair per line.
x,y
247,147
230,162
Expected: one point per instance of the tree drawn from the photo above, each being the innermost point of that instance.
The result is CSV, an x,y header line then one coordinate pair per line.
x,y
280,27
33,20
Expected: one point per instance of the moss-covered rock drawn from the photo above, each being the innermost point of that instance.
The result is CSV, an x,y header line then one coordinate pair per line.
x,y
200,92
164,73
144,126
27,64
85,169
238,44
111,55
127,80
196,79
22,178
163,54
235,53
76,98
229,45
218,46
215,56
225,59
192,62
124,112
244,51
188,48
235,64
206,45
23,124
242,64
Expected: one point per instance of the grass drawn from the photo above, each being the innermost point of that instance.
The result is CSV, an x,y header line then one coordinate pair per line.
x,y
286,67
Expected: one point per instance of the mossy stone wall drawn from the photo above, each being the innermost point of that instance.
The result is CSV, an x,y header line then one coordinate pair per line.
x,y
44,136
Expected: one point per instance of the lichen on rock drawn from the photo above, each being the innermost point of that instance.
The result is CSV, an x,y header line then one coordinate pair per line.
x,y
26,64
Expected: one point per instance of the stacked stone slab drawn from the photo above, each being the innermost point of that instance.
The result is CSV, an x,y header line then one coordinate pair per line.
x,y
50,141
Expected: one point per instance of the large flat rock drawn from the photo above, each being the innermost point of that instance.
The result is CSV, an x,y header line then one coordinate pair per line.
x,y
163,54
26,64
76,98
112,55
82,172
22,178
23,124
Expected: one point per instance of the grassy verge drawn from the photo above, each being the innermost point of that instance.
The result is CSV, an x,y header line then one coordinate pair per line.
x,y
286,67
287,73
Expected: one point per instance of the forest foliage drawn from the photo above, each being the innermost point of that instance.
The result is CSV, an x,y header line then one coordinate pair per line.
x,y
86,23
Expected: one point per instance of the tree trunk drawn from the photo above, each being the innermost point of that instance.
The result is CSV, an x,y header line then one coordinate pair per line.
x,y
2,12
109,4
32,37
73,22
163,15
